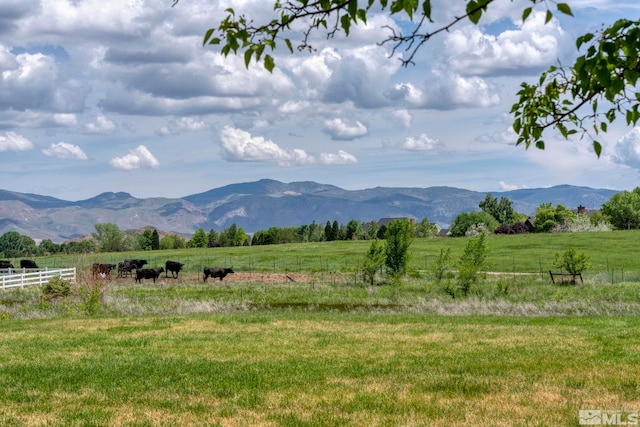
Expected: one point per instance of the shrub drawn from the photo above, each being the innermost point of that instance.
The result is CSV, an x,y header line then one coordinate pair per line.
x,y
572,262
373,261
471,262
56,287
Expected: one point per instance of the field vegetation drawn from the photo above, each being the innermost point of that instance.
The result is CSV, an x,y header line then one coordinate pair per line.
x,y
297,337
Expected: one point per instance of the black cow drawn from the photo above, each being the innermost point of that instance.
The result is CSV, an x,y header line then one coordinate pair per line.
x,y
173,267
216,272
126,267
138,262
5,264
27,263
148,273
102,269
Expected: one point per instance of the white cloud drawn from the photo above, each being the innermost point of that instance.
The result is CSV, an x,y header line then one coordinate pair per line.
x,y
239,145
11,141
341,130
63,150
627,149
533,46
138,158
423,142
342,158
101,126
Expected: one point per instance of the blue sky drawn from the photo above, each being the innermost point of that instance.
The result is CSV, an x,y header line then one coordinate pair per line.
x,y
120,95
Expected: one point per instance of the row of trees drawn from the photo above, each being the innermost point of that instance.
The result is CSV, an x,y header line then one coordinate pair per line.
x,y
621,211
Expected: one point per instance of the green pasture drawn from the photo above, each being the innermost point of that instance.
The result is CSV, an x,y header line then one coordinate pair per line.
x,y
278,368
294,338
614,252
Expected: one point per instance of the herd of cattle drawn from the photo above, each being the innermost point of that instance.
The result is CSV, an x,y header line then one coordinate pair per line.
x,y
129,267
24,263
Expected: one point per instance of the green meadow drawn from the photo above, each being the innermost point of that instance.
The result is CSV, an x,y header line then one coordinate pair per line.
x,y
294,338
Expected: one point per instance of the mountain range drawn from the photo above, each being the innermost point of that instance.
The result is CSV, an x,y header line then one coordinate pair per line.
x,y
262,204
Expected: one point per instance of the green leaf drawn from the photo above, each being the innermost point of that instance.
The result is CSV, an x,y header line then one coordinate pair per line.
x,y
207,36
564,8
289,45
426,9
247,57
269,64
548,17
597,147
526,13
345,22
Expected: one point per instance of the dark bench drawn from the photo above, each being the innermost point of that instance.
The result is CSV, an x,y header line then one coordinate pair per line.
x,y
565,277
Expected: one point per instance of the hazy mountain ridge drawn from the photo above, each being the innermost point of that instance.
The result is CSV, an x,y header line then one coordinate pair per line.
x,y
262,204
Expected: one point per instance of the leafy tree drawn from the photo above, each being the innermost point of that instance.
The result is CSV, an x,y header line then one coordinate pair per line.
x,y
199,239
572,262
335,230
399,238
372,231
374,260
328,232
382,232
155,240
425,229
172,241
145,240
501,210
212,238
48,247
599,78
549,217
467,220
14,244
109,237
623,209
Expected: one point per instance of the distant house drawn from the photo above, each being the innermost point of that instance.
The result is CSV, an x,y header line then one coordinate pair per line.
x,y
443,232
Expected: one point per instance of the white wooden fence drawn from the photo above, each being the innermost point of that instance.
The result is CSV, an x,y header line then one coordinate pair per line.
x,y
19,278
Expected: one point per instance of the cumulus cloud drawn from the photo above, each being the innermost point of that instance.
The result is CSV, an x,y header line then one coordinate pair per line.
x,y
138,158
101,126
342,158
342,130
533,46
446,91
35,81
11,141
183,124
239,145
627,149
423,142
63,150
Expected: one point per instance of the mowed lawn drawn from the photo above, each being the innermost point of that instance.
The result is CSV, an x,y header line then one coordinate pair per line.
x,y
299,368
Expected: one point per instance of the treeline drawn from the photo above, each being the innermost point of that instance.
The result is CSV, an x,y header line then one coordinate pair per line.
x,y
621,212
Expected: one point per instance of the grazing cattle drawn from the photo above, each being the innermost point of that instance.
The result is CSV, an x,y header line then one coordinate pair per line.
x,y
148,273
126,267
5,264
27,263
102,269
173,267
216,272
